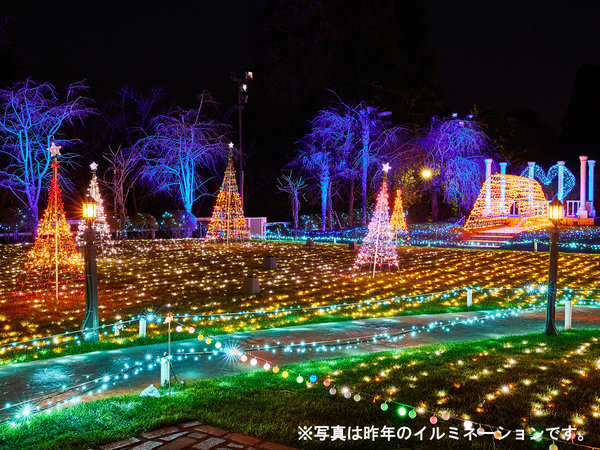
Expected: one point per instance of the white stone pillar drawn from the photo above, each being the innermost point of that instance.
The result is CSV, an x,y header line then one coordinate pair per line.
x,y
591,164
561,180
503,187
582,212
488,186
568,314
165,372
142,332
531,165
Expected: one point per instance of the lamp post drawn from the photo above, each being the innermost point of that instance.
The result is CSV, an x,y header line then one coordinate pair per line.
x,y
556,214
427,175
90,322
242,91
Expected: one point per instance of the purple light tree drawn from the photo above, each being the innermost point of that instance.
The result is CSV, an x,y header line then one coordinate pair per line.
x,y
185,146
32,115
292,187
455,152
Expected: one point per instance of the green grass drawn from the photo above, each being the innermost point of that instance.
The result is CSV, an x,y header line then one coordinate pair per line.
x,y
559,374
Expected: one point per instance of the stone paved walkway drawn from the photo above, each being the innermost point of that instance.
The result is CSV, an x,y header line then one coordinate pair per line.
x,y
192,435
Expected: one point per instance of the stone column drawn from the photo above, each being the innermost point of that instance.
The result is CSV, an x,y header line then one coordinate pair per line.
x,y
561,179
488,186
582,212
503,186
591,164
531,175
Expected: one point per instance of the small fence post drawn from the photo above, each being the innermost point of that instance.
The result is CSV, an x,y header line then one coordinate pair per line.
x,y
535,246
165,372
568,314
469,296
142,328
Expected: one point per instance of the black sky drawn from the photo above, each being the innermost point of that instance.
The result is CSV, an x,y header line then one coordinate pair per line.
x,y
504,54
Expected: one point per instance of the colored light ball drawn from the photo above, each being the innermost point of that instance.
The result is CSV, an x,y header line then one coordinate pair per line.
x,y
208,340
178,328
267,366
217,344
200,337
384,406
553,447
480,431
357,398
236,351
326,383
402,411
468,425
497,434
347,394
191,330
313,378
332,391
253,361
244,358
433,420
299,379
284,374
445,415
412,414
275,369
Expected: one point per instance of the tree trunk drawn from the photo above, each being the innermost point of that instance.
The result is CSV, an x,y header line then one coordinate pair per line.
x,y
329,209
434,205
324,190
365,166
295,210
351,204
134,200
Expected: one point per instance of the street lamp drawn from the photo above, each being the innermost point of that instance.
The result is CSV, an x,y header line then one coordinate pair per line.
x,y
91,321
556,214
242,91
426,173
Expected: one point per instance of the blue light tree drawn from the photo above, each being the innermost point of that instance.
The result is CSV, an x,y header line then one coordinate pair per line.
x,y
32,115
455,151
185,146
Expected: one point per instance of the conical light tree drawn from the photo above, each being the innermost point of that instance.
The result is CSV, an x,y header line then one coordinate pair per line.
x,y
398,222
54,251
378,247
228,222
101,228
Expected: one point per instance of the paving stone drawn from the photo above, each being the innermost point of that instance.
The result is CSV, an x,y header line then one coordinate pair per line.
x,y
232,445
189,424
172,436
211,430
209,443
197,435
273,446
178,444
147,445
242,439
120,444
160,432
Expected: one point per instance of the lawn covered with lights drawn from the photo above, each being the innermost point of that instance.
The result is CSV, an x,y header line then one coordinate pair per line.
x,y
202,283
525,383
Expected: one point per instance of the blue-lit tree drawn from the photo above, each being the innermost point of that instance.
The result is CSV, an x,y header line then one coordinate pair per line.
x,y
32,116
455,151
184,147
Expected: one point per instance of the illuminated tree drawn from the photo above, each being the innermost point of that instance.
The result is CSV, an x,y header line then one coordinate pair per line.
x,y
378,247
103,239
184,146
228,222
292,186
397,221
31,116
54,248
456,149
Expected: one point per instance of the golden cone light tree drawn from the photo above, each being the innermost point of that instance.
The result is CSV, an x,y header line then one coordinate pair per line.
x,y
397,221
54,249
228,222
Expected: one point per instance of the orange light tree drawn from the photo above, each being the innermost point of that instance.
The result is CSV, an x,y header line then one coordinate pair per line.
x,y
505,197
228,222
378,247
397,221
54,249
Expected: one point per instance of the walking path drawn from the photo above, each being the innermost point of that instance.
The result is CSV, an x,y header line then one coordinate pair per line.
x,y
21,382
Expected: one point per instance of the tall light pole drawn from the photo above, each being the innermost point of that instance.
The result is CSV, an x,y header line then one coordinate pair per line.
x,y
242,91
556,213
91,321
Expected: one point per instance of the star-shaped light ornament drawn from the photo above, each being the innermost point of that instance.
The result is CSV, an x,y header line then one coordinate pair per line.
x,y
54,150
386,167
231,145
94,166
